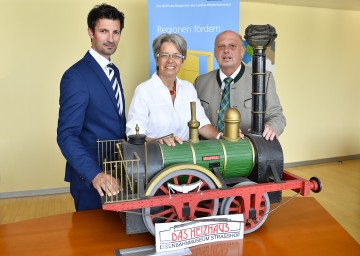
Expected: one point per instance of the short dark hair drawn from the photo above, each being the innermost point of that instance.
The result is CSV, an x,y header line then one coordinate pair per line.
x,y
104,11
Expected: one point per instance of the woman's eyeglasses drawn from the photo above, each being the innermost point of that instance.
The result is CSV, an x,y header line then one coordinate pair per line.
x,y
176,56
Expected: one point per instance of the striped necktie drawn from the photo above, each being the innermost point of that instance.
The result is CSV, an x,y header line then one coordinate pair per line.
x,y
224,104
115,87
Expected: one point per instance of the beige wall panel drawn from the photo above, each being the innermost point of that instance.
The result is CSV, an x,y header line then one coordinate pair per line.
x,y
316,72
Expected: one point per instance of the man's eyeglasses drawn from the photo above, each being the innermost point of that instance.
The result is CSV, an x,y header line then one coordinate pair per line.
x,y
176,56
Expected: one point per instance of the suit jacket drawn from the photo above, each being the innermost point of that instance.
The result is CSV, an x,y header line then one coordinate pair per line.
x,y
208,87
88,112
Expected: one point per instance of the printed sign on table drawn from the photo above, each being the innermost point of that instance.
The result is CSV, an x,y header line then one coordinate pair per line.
x,y
178,235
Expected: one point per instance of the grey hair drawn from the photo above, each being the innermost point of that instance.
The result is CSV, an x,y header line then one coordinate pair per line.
x,y
176,39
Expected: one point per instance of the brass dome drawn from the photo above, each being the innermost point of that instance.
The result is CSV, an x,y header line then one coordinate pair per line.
x,y
232,115
232,125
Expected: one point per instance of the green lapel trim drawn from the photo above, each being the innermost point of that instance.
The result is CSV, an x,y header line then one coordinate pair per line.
x,y
237,78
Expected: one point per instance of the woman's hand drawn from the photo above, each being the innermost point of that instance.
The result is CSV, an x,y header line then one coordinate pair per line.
x,y
170,140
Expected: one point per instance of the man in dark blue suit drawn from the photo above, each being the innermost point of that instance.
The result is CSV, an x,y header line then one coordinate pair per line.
x,y
91,109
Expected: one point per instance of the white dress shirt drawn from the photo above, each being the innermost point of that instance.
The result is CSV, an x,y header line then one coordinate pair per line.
x,y
153,111
223,76
104,62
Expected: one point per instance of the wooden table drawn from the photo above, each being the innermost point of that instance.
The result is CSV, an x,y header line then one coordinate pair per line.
x,y
300,227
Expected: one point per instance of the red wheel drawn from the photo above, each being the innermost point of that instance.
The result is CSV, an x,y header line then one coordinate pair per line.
x,y
235,205
317,185
175,182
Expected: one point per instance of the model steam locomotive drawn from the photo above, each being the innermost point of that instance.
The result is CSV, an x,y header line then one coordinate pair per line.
x,y
204,177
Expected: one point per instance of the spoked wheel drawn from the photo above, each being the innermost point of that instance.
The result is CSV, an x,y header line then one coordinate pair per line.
x,y
176,180
235,205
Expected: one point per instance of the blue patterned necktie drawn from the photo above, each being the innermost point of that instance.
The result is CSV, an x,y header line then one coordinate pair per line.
x,y
225,104
115,87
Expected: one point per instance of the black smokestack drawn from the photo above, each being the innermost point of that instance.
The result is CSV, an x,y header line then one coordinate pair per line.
x,y
259,37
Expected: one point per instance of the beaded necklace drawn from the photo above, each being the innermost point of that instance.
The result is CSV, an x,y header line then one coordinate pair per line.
x,y
173,90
